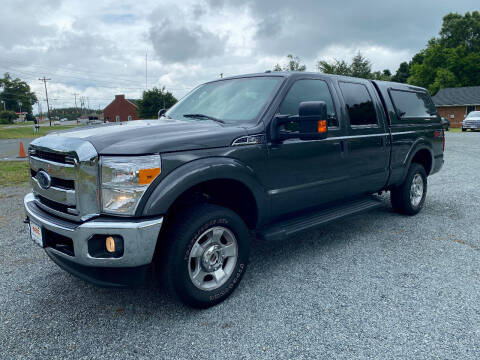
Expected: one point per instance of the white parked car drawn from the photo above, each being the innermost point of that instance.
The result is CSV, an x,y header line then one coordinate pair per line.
x,y
472,121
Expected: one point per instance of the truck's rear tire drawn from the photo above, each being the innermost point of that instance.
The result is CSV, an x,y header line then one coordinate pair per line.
x,y
409,197
463,129
205,255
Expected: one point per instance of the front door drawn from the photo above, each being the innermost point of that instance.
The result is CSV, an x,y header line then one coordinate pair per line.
x,y
306,173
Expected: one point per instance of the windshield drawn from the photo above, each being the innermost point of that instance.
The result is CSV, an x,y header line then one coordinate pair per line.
x,y
473,114
234,100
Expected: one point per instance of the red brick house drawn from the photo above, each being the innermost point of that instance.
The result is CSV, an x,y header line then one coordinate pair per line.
x,y
456,103
121,109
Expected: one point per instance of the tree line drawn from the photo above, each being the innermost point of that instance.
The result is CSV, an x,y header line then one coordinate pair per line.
x,y
15,96
452,59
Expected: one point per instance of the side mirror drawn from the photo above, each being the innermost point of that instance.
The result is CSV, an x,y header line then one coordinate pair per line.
x,y
161,112
312,116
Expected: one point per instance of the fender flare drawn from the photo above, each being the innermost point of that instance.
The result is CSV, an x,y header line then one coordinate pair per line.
x,y
419,144
195,172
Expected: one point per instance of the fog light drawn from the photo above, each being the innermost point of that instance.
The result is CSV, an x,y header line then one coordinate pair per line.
x,y
105,246
110,244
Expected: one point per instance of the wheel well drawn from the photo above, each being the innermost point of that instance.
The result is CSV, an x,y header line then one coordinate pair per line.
x,y
424,158
228,193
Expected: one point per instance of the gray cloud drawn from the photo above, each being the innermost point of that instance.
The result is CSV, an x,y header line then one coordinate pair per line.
x,y
304,27
20,24
179,43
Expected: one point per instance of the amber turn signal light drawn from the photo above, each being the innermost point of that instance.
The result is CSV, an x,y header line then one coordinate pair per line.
x,y
322,126
110,244
146,176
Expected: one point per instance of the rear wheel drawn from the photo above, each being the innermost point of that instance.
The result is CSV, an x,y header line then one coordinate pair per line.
x,y
463,129
410,196
206,255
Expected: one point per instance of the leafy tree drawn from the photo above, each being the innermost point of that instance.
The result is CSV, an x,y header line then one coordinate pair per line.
x,y
7,117
360,67
337,67
402,73
154,100
453,58
293,64
15,91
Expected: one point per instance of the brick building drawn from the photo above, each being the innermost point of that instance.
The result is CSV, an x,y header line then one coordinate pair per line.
x,y
121,109
455,103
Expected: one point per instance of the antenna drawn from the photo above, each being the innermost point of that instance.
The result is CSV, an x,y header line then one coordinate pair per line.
x,y
146,69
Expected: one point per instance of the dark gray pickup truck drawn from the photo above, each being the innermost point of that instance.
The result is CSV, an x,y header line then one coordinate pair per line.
x,y
267,155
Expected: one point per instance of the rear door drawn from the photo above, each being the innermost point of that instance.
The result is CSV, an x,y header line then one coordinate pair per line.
x,y
367,136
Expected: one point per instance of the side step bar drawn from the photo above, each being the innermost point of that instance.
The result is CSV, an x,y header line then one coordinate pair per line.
x,y
313,219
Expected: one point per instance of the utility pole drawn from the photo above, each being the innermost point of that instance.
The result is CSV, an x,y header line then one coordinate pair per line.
x,y
46,96
76,108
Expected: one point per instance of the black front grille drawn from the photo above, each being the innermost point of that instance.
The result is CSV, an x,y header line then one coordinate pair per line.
x,y
52,156
57,182
54,205
59,242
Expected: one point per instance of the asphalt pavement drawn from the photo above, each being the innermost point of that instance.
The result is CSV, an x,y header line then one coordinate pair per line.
x,y
377,285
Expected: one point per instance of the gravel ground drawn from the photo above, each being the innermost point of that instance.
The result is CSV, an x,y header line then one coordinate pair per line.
x,y
377,285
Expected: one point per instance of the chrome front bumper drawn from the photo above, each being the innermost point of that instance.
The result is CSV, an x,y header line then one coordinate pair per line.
x,y
140,237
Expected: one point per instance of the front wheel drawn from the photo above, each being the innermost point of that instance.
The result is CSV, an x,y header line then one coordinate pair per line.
x,y
409,197
206,255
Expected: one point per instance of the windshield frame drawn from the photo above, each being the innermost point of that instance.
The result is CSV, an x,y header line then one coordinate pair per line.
x,y
254,121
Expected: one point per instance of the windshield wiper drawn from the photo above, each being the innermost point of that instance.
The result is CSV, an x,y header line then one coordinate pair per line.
x,y
202,116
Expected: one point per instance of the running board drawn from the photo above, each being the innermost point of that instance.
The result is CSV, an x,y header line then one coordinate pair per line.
x,y
310,220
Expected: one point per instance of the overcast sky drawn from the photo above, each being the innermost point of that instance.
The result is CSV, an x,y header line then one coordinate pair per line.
x,y
97,48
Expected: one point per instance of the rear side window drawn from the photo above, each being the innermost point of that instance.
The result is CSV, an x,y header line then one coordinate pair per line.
x,y
308,90
413,104
359,104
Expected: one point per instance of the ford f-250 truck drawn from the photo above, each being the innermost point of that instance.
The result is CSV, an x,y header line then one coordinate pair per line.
x,y
267,155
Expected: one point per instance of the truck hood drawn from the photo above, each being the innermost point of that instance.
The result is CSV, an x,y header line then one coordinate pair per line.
x,y
154,136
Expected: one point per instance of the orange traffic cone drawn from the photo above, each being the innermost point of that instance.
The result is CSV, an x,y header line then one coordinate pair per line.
x,y
21,151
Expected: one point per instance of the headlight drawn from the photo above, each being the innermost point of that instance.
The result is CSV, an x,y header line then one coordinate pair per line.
x,y
125,179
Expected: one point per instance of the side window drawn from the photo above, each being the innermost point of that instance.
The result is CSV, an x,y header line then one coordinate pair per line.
x,y
413,104
308,90
359,104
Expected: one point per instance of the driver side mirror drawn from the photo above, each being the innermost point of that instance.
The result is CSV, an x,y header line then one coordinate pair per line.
x,y
161,112
311,120
312,116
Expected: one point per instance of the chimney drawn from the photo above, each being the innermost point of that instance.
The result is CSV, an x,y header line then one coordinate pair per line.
x,y
119,97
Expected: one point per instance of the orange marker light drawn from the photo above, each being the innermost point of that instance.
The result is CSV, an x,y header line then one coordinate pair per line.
x,y
322,126
110,244
146,176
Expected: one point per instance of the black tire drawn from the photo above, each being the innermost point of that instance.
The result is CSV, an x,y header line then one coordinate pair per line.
x,y
463,129
180,237
400,196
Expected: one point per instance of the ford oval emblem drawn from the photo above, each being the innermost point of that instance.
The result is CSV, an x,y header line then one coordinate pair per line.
x,y
44,180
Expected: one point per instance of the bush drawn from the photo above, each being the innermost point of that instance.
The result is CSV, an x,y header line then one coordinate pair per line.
x,y
7,117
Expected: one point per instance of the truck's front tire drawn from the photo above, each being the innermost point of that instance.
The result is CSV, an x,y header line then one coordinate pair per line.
x,y
409,197
206,254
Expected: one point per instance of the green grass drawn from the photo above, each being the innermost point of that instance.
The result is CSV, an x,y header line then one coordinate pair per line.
x,y
14,173
27,131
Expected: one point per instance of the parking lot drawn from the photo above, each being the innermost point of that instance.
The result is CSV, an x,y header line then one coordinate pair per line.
x,y
377,285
